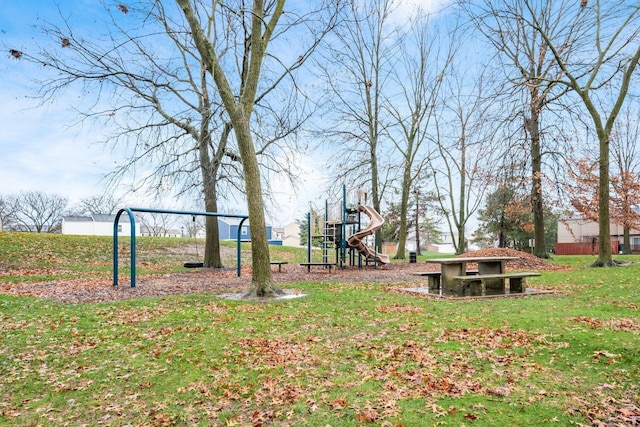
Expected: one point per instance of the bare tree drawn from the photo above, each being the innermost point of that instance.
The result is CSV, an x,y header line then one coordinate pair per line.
x,y
357,70
148,82
7,211
39,212
608,60
191,226
530,68
419,74
239,92
157,224
99,204
465,152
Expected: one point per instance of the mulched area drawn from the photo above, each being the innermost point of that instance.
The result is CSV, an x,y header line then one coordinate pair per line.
x,y
226,281
525,261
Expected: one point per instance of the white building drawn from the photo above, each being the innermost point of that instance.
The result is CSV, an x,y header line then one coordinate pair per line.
x,y
97,225
291,236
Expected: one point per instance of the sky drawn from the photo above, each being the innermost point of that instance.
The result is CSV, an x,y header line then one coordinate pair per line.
x,y
41,149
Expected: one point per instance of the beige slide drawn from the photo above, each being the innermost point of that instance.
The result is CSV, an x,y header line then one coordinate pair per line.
x,y
355,240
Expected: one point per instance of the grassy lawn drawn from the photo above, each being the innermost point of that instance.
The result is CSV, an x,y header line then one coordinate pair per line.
x,y
345,355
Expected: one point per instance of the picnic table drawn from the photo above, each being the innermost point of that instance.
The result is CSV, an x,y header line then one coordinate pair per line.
x,y
490,276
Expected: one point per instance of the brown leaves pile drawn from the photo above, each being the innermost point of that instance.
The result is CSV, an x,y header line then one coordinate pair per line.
x,y
525,261
626,325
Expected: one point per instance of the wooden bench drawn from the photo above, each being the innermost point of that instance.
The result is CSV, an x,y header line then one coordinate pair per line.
x,y
479,284
317,264
279,264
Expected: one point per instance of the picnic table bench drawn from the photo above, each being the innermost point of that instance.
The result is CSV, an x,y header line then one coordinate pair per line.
x,y
491,275
433,277
279,264
479,284
317,264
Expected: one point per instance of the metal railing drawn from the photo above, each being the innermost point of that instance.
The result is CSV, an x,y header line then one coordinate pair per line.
x,y
132,220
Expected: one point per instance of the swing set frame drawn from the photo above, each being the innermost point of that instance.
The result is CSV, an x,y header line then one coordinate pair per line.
x,y
132,220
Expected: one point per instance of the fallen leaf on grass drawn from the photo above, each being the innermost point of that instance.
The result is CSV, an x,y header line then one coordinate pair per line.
x,y
368,415
604,353
625,325
598,354
338,403
438,411
499,391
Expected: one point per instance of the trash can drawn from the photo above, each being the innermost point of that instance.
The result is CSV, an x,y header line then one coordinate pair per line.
x,y
413,257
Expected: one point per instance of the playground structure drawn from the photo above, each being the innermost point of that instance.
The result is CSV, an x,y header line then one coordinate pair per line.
x,y
340,229
132,220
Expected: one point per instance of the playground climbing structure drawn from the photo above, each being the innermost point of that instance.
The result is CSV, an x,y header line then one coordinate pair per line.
x,y
341,229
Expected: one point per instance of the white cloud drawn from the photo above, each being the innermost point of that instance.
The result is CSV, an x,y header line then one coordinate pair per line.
x,y
404,10
292,202
38,151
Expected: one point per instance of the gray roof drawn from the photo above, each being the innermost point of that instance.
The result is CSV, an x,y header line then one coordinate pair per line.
x,y
76,218
109,218
233,220
95,218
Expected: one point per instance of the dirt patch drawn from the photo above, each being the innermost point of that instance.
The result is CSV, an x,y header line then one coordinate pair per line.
x,y
225,281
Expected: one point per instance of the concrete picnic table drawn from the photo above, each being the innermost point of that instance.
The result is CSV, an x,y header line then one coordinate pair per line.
x,y
455,267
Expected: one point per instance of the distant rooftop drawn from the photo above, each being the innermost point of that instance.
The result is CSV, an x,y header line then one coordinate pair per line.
x,y
95,218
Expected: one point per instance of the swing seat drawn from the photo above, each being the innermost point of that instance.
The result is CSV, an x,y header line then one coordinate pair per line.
x,y
193,264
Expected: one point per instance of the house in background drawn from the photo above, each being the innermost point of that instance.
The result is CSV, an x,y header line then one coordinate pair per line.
x,y
289,235
228,230
444,247
577,236
277,233
102,225
96,225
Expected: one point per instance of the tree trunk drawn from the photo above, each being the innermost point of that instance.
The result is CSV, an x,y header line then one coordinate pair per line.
x,y
404,212
417,224
261,280
626,240
212,258
460,246
604,244
375,198
502,236
537,203
239,107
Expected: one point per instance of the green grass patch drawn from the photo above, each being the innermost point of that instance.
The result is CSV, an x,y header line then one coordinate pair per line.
x,y
345,355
